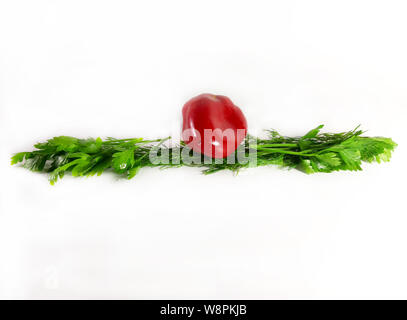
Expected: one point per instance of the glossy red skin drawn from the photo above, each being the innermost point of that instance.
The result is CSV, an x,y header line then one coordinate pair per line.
x,y
208,111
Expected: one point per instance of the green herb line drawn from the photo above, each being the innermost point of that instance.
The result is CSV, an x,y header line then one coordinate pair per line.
x,y
311,153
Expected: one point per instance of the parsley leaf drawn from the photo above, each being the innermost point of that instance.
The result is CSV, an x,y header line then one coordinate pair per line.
x,y
311,153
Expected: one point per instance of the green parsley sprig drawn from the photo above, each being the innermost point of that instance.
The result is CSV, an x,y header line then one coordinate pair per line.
x,y
311,153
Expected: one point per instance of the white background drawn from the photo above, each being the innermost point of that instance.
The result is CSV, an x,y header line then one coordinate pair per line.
x,y
124,69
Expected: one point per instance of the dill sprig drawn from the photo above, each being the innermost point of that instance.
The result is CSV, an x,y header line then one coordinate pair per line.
x,y
311,153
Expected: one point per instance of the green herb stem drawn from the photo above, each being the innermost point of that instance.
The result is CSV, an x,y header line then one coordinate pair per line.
x,y
311,153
